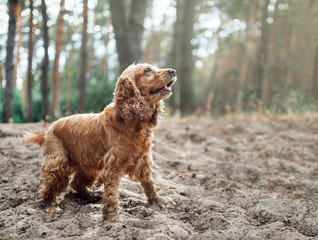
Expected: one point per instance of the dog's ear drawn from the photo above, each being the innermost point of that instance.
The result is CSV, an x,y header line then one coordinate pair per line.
x,y
129,104
159,109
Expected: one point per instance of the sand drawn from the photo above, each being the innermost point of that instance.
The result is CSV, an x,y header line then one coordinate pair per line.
x,y
230,179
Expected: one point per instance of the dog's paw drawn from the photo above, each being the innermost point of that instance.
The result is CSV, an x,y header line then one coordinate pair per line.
x,y
162,202
110,214
111,217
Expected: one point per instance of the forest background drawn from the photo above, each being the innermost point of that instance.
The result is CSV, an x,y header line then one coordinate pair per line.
x,y
63,57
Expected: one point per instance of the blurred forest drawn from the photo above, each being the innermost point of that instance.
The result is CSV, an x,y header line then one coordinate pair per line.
x,y
61,57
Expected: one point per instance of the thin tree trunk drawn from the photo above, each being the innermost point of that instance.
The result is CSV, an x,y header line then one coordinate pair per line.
x,y
1,77
55,107
23,95
19,42
314,80
186,64
9,88
69,74
250,9
314,83
128,34
84,55
175,55
45,65
274,55
90,58
30,58
262,54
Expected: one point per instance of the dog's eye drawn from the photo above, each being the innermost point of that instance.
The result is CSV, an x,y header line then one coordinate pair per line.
x,y
147,70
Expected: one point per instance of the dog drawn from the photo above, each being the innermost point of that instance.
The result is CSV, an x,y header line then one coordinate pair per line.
x,y
107,145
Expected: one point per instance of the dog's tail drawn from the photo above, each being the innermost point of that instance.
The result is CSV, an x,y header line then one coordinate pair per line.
x,y
34,138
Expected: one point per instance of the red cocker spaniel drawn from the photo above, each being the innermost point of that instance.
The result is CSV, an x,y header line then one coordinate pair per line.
x,y
109,144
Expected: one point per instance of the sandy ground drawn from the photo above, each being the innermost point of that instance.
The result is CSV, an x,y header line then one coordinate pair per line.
x,y
229,178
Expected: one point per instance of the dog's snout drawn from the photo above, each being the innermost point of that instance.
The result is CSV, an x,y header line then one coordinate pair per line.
x,y
172,72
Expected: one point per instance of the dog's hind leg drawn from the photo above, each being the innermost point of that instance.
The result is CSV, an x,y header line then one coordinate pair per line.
x,y
55,169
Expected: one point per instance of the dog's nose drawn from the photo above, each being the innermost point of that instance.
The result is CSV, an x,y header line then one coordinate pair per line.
x,y
172,72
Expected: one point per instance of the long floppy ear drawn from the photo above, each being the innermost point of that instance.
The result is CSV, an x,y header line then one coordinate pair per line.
x,y
159,110
129,104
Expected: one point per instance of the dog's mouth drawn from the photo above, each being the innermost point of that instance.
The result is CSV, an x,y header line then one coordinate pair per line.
x,y
166,89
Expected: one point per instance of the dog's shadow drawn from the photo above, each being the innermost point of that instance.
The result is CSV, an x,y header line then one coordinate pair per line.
x,y
93,198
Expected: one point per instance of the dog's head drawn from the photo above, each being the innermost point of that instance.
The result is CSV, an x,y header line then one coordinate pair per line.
x,y
139,91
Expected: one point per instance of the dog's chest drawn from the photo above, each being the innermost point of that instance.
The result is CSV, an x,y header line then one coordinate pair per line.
x,y
141,143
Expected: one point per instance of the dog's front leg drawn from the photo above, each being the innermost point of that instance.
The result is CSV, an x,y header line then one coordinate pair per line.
x,y
111,178
145,178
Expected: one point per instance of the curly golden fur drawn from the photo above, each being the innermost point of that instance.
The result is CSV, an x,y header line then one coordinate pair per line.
x,y
109,144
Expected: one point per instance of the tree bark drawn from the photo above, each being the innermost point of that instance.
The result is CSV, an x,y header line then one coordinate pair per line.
x,y
30,58
136,28
19,42
84,55
314,81
69,73
262,54
45,64
9,88
250,10
175,54
1,77
128,33
55,107
186,59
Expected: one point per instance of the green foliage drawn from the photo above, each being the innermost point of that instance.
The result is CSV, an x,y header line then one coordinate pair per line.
x,y
234,7
227,81
232,72
298,102
99,94
1,101
17,106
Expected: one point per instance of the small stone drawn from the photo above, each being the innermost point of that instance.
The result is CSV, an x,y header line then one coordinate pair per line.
x,y
179,232
5,179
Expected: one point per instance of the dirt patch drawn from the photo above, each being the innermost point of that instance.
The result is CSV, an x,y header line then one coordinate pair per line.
x,y
230,179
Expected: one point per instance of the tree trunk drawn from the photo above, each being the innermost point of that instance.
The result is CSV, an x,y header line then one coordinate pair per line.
x,y
1,78
175,54
9,88
128,33
250,9
45,64
262,54
274,57
69,73
19,42
83,74
314,81
55,107
136,28
186,61
30,58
